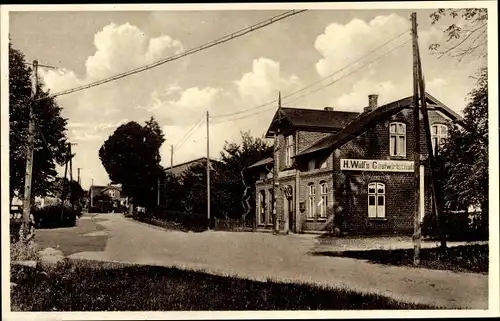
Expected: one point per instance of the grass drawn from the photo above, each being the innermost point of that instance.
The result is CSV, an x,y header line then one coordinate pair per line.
x,y
466,258
96,286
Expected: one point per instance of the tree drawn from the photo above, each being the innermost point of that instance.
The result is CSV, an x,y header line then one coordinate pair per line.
x,y
468,38
131,157
193,191
232,185
50,138
464,158
74,195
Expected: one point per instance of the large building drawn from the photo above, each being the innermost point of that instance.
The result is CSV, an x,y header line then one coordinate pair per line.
x,y
347,172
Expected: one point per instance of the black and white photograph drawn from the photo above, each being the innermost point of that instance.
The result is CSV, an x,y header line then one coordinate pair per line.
x,y
278,160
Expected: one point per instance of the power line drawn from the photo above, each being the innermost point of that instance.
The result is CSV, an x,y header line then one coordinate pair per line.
x,y
352,72
210,44
316,90
186,136
320,80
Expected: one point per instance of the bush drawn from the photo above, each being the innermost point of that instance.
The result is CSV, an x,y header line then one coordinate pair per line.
x,y
20,251
51,216
174,219
458,226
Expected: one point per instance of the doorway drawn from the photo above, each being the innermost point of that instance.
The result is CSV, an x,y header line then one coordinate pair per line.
x,y
289,207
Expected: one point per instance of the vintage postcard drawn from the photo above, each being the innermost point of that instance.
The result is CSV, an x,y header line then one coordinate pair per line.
x,y
273,160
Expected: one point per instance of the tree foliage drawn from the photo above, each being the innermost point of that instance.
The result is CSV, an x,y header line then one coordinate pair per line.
x,y
131,157
188,191
50,138
464,158
466,38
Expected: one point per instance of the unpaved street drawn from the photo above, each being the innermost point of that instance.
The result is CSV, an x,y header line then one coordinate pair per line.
x,y
261,256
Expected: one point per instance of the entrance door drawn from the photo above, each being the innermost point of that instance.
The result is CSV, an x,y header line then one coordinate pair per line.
x,y
289,208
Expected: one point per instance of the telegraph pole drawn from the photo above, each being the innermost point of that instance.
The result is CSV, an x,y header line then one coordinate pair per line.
x,y
71,176
158,193
430,152
171,157
416,128
79,181
29,156
208,169
275,169
63,195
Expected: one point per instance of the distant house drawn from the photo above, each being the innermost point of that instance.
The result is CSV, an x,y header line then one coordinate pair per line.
x,y
114,192
182,167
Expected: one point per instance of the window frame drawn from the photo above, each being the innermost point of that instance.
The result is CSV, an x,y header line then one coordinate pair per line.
x,y
438,137
395,150
289,150
323,208
262,207
311,200
379,211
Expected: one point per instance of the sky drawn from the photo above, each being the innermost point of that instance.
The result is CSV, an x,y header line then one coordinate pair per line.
x,y
236,76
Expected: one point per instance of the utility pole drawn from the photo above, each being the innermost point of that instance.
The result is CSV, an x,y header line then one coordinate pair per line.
x,y
25,229
158,193
79,181
208,169
71,176
275,168
63,195
430,152
171,157
91,194
416,128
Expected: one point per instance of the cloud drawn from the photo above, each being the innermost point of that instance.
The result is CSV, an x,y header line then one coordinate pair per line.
x,y
264,81
123,47
340,44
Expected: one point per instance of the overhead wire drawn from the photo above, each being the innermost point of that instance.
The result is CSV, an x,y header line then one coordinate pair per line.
x,y
308,93
191,51
318,81
187,135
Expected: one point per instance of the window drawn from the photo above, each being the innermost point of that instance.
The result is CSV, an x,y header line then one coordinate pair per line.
x,y
323,203
397,139
316,163
311,210
289,150
376,200
262,207
439,134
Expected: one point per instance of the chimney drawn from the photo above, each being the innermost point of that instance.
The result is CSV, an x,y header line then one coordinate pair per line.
x,y
372,101
329,108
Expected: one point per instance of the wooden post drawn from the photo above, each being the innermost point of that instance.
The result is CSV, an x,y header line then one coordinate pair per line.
x,y
430,152
171,157
158,193
276,169
68,149
71,177
25,227
208,169
416,155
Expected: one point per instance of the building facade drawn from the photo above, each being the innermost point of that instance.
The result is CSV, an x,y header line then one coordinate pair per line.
x,y
344,172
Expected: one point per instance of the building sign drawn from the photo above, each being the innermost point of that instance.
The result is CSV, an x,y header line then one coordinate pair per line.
x,y
376,165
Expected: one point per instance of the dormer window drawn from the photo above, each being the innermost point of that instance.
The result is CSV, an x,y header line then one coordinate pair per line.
x,y
289,150
439,134
397,139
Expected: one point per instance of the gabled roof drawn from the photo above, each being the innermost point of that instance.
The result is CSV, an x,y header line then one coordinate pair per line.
x,y
262,162
180,168
368,119
314,119
117,187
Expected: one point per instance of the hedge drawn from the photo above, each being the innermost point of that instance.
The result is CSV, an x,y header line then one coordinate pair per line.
x,y
51,216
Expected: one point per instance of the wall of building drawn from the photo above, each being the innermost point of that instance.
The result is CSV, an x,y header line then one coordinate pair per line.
x,y
347,190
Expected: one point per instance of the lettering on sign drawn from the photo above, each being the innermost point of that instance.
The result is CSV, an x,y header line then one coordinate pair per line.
x,y
376,165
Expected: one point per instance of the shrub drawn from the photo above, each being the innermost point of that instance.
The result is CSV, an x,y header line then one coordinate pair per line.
x,y
21,251
52,216
175,219
458,226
